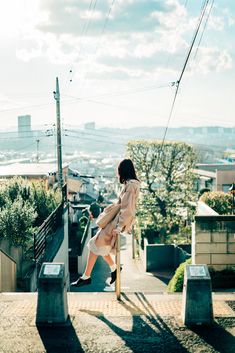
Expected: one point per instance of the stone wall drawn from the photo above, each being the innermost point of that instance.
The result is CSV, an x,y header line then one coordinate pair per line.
x,y
213,241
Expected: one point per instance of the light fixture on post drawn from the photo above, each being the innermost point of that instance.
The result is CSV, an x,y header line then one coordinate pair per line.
x,y
232,191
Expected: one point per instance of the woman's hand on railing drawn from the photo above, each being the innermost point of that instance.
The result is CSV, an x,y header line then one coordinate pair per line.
x,y
115,232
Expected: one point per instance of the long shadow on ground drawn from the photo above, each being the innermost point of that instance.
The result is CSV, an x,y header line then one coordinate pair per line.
x,y
60,339
216,336
150,332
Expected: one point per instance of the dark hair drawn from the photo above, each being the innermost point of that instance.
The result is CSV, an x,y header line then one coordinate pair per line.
x,y
126,170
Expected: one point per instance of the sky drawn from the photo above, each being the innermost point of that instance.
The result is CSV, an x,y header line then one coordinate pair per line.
x,y
117,61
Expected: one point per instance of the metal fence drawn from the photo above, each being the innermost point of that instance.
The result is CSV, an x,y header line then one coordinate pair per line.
x,y
46,230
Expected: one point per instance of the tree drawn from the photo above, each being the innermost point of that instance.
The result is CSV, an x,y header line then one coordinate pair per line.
x,y
45,201
16,221
167,177
23,207
219,201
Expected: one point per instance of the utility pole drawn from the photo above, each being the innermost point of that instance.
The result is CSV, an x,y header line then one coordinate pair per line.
x,y
37,157
58,127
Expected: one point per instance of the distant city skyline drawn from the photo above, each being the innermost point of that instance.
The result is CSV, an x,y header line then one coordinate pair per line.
x,y
116,61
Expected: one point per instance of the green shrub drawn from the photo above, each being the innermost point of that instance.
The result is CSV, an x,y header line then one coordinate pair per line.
x,y
219,201
177,281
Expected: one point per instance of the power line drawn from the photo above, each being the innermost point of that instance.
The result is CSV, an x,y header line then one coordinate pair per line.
x,y
99,42
84,31
86,133
25,147
25,137
124,93
95,140
204,28
100,130
178,82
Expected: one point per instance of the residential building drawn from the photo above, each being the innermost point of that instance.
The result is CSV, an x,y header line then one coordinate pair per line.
x,y
45,172
216,177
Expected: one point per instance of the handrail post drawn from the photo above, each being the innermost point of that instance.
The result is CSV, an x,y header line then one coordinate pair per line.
x,y
133,242
118,263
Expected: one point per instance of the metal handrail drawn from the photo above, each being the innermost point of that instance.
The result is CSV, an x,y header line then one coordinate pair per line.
x,y
118,263
48,227
84,236
133,243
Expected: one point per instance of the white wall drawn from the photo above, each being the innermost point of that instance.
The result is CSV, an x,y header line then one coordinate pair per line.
x,y
63,252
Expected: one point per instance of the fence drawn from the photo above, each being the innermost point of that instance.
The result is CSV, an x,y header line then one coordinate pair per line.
x,y
46,231
84,237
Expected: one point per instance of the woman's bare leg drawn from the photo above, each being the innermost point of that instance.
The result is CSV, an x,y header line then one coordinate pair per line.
x,y
109,260
90,263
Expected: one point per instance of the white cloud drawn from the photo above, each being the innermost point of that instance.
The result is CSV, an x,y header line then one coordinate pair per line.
x,y
229,17
95,15
211,60
173,18
130,49
216,23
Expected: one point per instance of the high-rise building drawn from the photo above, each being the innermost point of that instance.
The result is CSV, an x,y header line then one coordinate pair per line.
x,y
24,125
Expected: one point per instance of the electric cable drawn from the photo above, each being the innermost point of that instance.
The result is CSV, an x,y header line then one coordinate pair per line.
x,y
95,140
204,28
83,34
178,82
99,40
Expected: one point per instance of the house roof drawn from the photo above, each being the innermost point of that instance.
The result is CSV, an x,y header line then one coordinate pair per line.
x,y
28,169
205,174
214,167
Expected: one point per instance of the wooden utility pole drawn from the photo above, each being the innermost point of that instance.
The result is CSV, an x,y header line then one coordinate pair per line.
x,y
59,147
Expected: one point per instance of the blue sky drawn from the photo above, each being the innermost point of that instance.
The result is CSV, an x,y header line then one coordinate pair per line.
x,y
123,54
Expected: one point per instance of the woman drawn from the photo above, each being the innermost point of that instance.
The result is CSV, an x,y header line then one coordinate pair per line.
x,y
103,243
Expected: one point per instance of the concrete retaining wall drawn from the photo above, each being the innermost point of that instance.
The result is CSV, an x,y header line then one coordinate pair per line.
x,y
63,252
213,241
16,252
7,273
160,256
82,259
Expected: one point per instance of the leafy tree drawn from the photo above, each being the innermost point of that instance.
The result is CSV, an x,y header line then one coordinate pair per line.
x,y
16,221
167,177
23,207
219,201
45,201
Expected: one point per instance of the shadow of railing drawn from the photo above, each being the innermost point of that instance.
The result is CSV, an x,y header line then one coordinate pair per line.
x,y
150,332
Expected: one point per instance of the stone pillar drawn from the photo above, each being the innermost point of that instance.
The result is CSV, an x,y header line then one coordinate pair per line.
x,y
197,299
52,305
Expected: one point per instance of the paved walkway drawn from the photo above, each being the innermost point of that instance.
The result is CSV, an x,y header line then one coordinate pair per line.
x,y
133,276
99,323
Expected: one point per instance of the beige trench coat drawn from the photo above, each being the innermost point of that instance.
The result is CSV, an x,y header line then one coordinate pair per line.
x,y
104,242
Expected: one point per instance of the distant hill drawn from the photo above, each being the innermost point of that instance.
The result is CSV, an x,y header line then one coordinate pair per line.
x,y
113,140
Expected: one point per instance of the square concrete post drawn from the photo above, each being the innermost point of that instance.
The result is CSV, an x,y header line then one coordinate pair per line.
x,y
197,298
52,305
